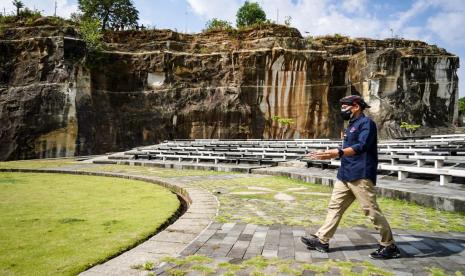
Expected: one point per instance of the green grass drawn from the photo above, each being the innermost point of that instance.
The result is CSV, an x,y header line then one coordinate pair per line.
x,y
310,209
153,171
63,224
37,164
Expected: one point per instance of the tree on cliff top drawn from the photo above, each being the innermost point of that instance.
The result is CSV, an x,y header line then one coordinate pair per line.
x,y
18,5
250,13
113,14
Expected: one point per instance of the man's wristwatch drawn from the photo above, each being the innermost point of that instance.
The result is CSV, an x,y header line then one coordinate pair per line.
x,y
340,152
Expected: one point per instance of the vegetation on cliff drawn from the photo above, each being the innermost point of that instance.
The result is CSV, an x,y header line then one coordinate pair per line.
x,y
250,13
112,14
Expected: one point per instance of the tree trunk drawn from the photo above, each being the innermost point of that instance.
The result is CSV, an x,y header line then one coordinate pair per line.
x,y
105,20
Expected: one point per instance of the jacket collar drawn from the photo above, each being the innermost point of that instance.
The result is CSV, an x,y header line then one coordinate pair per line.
x,y
353,120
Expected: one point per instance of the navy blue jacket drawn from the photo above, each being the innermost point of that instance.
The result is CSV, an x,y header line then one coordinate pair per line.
x,y
361,136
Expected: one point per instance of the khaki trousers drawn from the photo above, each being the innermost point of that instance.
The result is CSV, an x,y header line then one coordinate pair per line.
x,y
344,193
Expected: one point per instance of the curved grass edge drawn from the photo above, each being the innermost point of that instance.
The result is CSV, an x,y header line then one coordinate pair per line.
x,y
181,193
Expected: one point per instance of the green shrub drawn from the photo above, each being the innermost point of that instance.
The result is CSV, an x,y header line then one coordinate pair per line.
x,y
90,31
411,128
287,20
217,24
462,105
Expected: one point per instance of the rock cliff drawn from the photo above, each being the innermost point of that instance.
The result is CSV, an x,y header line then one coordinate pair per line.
x,y
57,99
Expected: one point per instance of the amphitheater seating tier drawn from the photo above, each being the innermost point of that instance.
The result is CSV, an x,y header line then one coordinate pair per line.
x,y
435,155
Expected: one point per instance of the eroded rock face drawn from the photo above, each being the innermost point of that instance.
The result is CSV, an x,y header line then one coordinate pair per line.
x,y
56,99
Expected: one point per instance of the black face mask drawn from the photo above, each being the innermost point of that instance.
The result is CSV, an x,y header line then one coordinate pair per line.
x,y
346,114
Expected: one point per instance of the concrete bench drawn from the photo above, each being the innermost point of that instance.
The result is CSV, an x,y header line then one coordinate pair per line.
x,y
445,175
405,151
437,160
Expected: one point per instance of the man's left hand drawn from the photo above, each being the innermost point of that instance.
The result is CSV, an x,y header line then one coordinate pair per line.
x,y
324,155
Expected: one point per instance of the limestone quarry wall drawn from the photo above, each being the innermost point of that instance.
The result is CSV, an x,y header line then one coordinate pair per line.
x,y
57,99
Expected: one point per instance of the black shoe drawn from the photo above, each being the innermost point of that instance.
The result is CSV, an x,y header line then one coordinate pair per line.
x,y
386,252
314,243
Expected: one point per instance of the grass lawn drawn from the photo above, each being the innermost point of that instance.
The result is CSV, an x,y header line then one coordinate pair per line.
x,y
253,200
145,170
37,164
63,224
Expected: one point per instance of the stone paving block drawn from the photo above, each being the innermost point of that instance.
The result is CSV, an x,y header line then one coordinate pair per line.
x,y
341,237
219,235
274,227
286,229
185,229
353,235
261,229
272,235
174,237
206,235
318,255
285,252
409,250
298,245
271,246
259,237
410,238
423,247
249,229
308,273
269,253
431,242
229,240
222,251
286,240
446,263
249,255
303,256
215,225
298,233
213,241
238,228
160,247
192,248
352,255
454,247
397,264
245,237
226,227
378,263
238,250
458,259
336,255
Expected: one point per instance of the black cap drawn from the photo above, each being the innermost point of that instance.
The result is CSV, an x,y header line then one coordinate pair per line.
x,y
354,99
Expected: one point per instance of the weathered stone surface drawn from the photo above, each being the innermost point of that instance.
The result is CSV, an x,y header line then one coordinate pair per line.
x,y
56,99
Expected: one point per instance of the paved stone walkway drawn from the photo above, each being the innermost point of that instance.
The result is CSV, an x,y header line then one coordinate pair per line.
x,y
234,242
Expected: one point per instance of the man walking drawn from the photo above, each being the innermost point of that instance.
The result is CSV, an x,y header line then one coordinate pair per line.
x,y
356,179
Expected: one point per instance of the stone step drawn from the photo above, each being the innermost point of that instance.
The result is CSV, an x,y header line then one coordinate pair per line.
x,y
293,163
